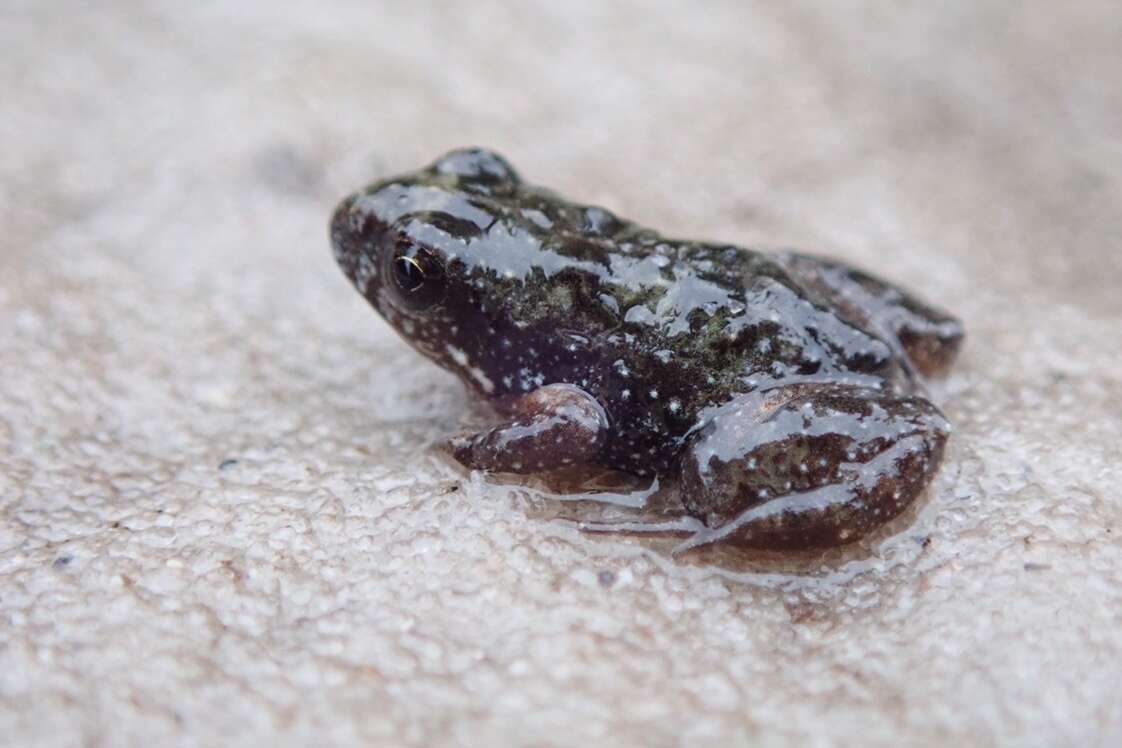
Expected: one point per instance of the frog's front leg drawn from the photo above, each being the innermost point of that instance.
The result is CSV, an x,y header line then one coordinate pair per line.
x,y
552,427
809,466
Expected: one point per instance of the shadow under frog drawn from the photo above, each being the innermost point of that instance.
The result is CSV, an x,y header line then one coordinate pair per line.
x,y
780,395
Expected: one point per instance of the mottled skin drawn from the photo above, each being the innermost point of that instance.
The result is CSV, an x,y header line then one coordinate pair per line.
x,y
781,393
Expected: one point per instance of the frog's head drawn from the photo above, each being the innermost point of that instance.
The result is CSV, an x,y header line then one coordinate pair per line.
x,y
427,250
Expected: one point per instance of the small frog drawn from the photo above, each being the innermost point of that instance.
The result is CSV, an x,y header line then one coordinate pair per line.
x,y
780,393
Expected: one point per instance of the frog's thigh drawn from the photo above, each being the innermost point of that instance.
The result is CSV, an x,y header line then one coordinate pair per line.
x,y
809,468
549,428
930,338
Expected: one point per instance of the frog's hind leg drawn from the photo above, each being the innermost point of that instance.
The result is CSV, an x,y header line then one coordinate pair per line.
x,y
809,466
929,337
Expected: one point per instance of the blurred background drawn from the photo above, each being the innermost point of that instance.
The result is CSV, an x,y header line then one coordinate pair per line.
x,y
219,516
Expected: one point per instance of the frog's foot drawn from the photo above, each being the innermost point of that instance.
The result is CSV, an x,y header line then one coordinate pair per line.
x,y
803,468
654,509
928,337
684,525
550,428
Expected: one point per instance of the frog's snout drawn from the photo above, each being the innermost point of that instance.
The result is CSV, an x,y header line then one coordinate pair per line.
x,y
354,242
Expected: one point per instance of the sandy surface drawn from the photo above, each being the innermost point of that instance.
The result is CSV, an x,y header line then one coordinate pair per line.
x,y
220,516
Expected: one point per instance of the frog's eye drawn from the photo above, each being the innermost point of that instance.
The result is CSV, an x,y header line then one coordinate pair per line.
x,y
418,275
408,273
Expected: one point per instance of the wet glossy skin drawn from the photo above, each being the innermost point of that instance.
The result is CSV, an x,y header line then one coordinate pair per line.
x,y
780,393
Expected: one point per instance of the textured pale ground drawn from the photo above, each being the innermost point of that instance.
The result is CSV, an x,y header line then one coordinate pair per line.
x,y
168,302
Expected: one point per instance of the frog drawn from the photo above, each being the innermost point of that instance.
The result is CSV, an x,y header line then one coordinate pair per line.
x,y
783,394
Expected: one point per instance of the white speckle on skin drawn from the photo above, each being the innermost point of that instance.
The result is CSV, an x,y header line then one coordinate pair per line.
x,y
461,360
